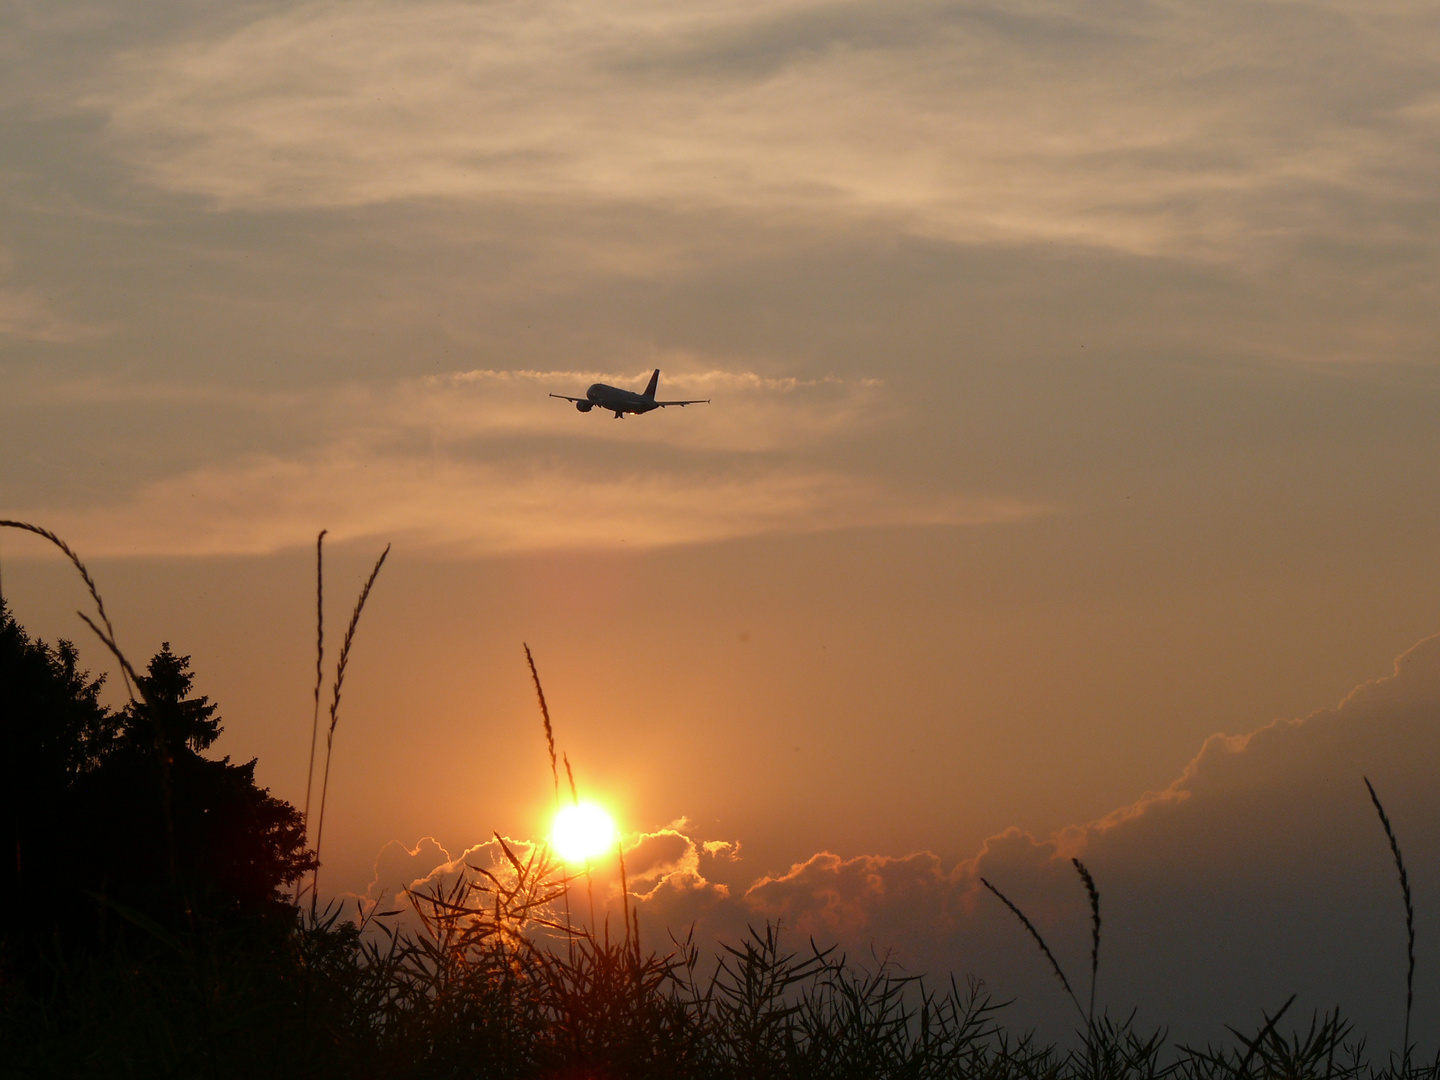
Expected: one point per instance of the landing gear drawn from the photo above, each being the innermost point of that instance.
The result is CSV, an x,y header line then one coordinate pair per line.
x,y
619,415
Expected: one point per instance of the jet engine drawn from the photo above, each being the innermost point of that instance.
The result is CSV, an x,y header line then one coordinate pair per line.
x,y
584,406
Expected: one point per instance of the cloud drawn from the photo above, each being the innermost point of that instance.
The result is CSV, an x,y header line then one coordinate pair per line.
x,y
1150,127
722,849
264,504
486,463
659,854
666,858
838,898
1261,871
25,314
662,872
749,412
399,867
28,314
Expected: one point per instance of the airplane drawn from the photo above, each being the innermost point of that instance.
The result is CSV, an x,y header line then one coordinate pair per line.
x,y
613,399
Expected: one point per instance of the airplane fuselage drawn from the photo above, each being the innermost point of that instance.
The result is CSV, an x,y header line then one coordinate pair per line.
x,y
615,400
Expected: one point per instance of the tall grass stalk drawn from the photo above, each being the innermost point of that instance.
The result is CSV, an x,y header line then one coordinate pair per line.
x,y
335,717
1094,895
545,718
108,637
1409,917
570,776
319,662
554,769
1054,964
589,885
625,892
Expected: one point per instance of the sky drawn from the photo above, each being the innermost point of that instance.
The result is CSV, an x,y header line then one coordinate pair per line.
x,y
1074,379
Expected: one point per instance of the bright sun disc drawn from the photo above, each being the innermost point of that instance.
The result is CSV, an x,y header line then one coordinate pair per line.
x,y
582,832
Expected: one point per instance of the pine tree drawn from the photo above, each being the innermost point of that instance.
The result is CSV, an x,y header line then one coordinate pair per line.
x,y
53,732
117,815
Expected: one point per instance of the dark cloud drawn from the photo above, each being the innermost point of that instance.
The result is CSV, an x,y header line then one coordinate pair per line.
x,y
770,41
1261,871
657,855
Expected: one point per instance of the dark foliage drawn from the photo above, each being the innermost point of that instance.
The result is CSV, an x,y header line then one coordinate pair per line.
x,y
145,935
52,730
115,819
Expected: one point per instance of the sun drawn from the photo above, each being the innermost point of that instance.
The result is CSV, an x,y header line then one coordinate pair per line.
x,y
583,831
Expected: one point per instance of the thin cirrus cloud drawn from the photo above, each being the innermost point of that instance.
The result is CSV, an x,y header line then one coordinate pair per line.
x,y
749,412
433,462
28,314
265,504
1149,128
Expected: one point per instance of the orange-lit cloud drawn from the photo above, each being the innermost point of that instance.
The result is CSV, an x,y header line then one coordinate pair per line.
x,y
266,504
427,867
1262,870
430,462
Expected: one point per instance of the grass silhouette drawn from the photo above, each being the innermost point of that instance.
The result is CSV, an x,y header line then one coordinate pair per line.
x,y
1409,917
494,980
319,669
340,667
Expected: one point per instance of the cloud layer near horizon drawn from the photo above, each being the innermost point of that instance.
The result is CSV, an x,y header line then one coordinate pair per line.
x,y
1261,871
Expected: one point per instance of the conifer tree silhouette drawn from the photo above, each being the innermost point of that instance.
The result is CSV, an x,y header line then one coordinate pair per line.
x,y
107,813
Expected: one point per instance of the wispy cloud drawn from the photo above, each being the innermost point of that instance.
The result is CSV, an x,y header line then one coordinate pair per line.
x,y
27,313
265,504
434,462
749,412
1148,127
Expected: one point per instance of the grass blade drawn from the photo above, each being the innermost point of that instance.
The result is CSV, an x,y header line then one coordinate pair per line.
x,y
126,671
319,661
340,667
1409,917
1094,895
1025,922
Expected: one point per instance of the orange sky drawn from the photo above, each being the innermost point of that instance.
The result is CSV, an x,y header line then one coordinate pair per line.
x,y
1073,378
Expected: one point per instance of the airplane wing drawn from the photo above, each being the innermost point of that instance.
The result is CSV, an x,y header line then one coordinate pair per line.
x,y
662,404
566,397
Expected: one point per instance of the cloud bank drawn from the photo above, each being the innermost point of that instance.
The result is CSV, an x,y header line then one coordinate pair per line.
x,y
1261,871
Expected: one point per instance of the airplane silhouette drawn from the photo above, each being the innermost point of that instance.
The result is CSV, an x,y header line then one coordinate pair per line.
x,y
613,399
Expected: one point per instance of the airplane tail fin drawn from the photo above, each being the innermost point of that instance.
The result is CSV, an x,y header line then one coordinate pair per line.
x,y
654,382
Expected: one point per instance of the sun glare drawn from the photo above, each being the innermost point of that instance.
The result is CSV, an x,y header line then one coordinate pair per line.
x,y
583,832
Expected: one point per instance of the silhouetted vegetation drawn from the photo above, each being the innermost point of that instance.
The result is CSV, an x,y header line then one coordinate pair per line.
x,y
150,930
118,818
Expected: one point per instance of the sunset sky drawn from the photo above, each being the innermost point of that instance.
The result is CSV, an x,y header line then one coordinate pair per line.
x,y
1075,388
